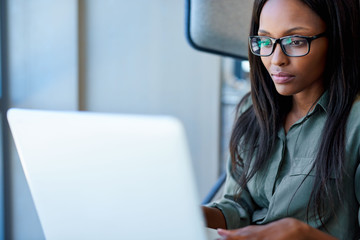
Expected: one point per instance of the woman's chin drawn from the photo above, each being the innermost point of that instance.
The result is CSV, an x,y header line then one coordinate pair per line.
x,y
285,91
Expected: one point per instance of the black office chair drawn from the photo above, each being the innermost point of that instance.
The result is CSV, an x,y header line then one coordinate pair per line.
x,y
220,27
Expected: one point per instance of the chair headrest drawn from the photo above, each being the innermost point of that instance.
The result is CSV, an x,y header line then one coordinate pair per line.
x,y
219,26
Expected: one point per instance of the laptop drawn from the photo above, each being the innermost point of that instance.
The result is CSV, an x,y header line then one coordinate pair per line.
x,y
108,176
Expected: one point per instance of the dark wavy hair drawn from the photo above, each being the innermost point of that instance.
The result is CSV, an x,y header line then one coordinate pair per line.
x,y
256,129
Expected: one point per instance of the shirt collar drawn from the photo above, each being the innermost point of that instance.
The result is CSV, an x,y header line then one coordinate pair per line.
x,y
323,101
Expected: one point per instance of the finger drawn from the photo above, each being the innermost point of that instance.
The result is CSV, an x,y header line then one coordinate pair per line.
x,y
232,237
224,232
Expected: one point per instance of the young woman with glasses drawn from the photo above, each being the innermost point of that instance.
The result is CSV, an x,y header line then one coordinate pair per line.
x,y
295,148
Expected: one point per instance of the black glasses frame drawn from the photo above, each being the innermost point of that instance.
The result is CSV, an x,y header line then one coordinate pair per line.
x,y
278,40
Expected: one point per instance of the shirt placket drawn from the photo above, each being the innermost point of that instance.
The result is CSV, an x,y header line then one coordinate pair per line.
x,y
279,158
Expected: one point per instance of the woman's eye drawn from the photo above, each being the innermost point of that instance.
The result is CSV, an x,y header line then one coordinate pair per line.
x,y
296,42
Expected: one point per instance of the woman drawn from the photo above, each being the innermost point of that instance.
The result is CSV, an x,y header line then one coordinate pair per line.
x,y
295,147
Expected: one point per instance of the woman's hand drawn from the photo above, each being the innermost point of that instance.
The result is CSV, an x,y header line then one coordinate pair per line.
x,y
214,217
284,229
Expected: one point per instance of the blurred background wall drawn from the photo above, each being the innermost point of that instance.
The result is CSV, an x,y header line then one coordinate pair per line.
x,y
110,56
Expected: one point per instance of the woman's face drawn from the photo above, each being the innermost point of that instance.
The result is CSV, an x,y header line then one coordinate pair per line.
x,y
294,75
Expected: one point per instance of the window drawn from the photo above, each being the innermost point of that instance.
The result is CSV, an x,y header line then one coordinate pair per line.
x,y
235,84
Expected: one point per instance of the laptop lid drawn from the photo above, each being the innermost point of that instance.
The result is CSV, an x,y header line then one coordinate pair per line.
x,y
108,176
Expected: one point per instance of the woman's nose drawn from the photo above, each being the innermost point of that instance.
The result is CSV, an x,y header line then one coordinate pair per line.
x,y
278,57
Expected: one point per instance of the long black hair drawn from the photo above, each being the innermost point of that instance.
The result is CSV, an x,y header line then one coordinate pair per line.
x,y
255,130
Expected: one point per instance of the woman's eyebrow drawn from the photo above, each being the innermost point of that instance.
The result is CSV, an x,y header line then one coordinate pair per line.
x,y
289,31
295,29
263,31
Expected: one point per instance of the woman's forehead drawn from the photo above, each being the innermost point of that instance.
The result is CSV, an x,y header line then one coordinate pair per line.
x,y
281,16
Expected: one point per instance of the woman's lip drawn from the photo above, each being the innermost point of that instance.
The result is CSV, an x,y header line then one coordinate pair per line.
x,y
281,77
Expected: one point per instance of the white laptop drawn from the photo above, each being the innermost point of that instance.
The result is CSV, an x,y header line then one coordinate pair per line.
x,y
108,176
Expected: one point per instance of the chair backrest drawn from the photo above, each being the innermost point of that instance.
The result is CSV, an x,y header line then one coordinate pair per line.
x,y
219,26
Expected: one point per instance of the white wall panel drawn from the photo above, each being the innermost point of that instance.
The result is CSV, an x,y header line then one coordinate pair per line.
x,y
42,74
138,61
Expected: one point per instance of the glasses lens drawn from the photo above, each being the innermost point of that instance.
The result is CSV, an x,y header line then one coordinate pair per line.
x,y
261,46
295,46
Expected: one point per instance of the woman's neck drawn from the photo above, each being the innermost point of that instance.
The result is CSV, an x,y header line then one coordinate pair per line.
x,y
302,104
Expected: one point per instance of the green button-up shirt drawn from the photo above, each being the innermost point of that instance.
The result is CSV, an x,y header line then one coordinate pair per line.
x,y
280,190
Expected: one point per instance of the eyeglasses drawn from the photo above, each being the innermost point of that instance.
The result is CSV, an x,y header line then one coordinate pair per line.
x,y
292,46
